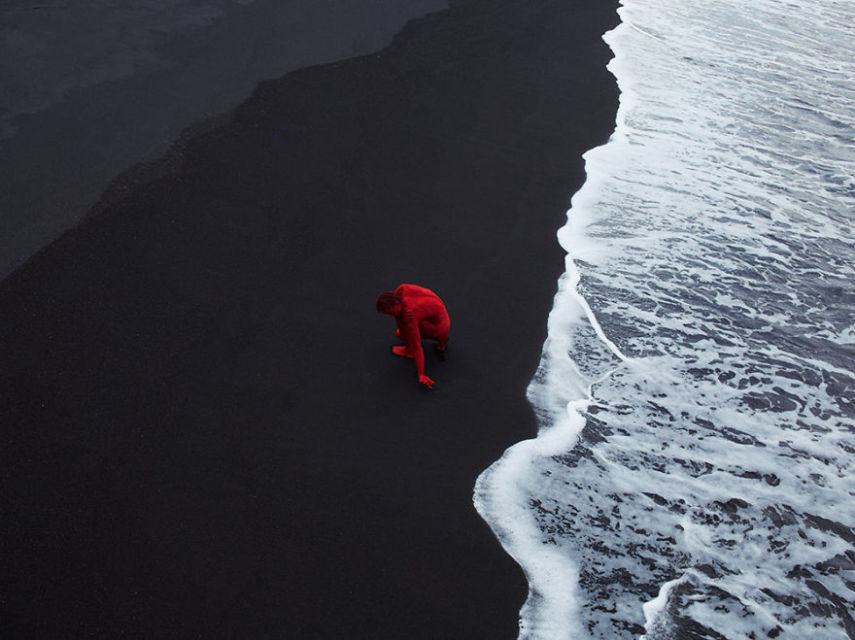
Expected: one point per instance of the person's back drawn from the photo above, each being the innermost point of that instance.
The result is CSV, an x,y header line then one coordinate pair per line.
x,y
422,303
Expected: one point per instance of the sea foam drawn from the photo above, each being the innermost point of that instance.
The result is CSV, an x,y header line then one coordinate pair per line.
x,y
692,468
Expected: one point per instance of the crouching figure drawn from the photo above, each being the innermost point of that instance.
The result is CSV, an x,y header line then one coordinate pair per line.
x,y
419,313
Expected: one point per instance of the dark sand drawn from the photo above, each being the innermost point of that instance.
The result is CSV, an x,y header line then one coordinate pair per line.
x,y
206,433
91,88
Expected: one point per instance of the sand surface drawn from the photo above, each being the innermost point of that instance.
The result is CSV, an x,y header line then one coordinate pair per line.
x,y
89,88
207,434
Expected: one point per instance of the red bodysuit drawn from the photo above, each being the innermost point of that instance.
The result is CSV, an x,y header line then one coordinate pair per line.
x,y
422,315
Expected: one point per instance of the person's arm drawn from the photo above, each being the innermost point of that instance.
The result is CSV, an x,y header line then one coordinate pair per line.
x,y
412,338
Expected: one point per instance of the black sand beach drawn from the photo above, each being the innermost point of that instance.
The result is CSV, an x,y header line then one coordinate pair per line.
x,y
206,433
88,89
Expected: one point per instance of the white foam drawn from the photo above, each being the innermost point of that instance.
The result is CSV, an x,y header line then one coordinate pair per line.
x,y
551,608
710,256
655,607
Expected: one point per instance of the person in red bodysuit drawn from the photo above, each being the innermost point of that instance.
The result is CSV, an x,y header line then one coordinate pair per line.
x,y
419,313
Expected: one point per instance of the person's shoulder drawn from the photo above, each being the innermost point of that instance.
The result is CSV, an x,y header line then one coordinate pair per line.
x,y
414,290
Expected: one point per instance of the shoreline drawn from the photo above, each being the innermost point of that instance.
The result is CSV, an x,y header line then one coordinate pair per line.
x,y
209,433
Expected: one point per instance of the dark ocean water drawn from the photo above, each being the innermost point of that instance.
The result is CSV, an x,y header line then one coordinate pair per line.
x,y
693,472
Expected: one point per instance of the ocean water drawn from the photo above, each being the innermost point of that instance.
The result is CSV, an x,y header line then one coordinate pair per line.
x,y
693,475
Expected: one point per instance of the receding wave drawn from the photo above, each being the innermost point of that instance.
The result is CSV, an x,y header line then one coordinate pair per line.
x,y
691,475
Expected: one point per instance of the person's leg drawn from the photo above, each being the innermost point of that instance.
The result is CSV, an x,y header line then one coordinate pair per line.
x,y
435,331
442,340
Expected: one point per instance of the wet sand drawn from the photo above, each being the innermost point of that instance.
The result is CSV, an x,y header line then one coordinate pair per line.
x,y
207,433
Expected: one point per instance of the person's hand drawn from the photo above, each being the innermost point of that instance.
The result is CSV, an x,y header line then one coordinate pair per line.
x,y
426,381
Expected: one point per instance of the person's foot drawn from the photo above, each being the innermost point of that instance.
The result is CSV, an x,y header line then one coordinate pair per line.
x,y
402,351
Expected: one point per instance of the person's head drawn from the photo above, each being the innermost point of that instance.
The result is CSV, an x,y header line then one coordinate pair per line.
x,y
389,303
